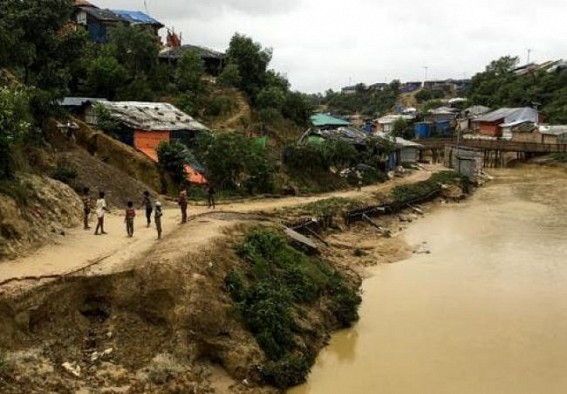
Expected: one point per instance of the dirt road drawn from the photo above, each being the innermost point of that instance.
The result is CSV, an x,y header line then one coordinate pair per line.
x,y
82,253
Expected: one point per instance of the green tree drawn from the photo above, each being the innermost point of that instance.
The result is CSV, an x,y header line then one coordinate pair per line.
x,y
173,156
104,75
271,97
230,76
491,86
135,47
235,162
298,108
252,61
15,123
189,73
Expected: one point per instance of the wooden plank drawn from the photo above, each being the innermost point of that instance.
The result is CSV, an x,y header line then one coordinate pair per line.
x,y
302,239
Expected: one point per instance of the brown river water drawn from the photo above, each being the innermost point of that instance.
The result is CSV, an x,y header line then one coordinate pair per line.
x,y
484,312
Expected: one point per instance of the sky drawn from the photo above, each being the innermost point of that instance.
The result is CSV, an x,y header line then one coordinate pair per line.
x,y
327,44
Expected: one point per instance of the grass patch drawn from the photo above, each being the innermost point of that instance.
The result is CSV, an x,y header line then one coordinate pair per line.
x,y
331,206
559,157
276,281
6,370
65,172
19,190
405,193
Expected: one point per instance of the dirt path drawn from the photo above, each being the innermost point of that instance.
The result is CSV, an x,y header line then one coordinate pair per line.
x,y
81,252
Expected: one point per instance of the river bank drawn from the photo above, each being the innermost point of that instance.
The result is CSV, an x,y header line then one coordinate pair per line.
x,y
164,321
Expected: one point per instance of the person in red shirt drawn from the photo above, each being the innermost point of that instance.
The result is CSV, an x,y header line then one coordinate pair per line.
x,y
129,219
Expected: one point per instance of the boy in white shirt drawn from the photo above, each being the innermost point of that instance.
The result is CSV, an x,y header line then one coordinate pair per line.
x,y
100,209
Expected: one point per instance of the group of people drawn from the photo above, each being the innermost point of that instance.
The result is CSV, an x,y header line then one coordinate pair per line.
x,y
130,211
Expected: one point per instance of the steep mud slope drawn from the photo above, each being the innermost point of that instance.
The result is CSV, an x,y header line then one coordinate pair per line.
x,y
35,210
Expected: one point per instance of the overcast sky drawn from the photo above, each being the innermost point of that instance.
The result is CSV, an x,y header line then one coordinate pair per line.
x,y
323,44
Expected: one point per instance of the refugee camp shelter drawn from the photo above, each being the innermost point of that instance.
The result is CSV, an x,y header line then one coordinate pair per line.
x,y
147,124
406,151
328,121
214,61
553,134
386,123
98,21
493,123
350,134
80,107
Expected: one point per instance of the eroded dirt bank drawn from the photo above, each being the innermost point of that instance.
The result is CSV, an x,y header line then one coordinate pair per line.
x,y
161,320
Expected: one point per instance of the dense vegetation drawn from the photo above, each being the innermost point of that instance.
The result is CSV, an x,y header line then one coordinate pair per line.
x,y
364,101
45,53
271,292
499,86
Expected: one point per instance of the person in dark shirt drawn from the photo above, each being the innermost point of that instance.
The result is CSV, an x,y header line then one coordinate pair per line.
x,y
86,198
211,195
147,204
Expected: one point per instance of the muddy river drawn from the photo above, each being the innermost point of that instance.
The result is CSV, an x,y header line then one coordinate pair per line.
x,y
484,312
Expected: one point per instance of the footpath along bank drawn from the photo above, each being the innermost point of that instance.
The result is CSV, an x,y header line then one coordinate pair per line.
x,y
247,312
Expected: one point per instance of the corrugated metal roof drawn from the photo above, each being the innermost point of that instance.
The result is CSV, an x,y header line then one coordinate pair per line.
x,y
151,116
510,115
553,129
443,111
321,120
137,17
399,141
476,110
388,119
205,53
102,14
349,134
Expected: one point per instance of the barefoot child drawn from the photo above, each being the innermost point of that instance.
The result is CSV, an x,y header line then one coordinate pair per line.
x,y
129,219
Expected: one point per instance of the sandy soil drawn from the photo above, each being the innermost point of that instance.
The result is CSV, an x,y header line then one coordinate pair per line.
x,y
82,253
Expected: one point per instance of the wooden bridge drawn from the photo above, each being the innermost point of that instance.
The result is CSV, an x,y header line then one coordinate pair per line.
x,y
495,153
495,145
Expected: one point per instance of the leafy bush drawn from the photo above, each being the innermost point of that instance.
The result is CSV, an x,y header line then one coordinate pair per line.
x,y
289,371
173,156
233,161
64,172
277,280
220,106
230,76
15,124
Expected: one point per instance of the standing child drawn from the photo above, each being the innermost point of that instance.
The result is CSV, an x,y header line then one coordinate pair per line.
x,y
100,210
86,198
182,201
211,195
129,219
147,203
157,219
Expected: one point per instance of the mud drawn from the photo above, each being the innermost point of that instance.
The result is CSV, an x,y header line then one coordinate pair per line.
x,y
154,316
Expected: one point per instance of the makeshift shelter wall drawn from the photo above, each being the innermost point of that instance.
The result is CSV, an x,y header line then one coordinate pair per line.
x,y
408,155
149,139
490,128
